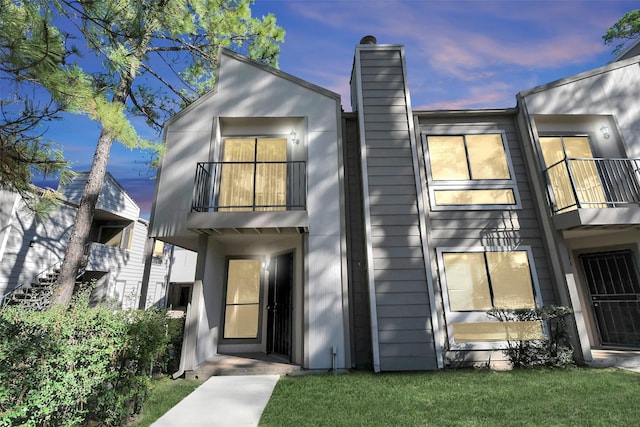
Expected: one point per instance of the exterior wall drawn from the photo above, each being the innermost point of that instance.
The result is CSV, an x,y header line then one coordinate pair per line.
x,y
252,100
486,228
31,245
401,310
582,104
112,198
125,267
183,265
611,91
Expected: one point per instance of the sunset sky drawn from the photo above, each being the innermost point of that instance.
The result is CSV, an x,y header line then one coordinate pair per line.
x,y
460,54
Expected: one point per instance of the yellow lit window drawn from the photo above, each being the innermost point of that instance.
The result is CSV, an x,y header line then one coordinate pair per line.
x,y
571,172
253,175
480,281
243,299
469,170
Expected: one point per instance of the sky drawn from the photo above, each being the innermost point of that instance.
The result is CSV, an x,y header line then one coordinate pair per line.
x,y
459,54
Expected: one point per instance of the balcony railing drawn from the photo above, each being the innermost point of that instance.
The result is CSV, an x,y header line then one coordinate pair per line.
x,y
574,183
250,186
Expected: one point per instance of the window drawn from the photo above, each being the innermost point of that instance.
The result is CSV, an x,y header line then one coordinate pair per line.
x,y
254,175
158,248
242,302
117,236
469,170
570,167
479,280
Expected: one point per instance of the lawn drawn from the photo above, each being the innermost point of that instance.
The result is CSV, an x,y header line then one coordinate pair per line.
x,y
573,397
163,395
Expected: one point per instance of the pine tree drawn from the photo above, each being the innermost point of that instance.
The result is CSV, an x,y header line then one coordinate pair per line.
x,y
158,56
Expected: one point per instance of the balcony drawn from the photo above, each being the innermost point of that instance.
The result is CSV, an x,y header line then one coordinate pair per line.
x,y
249,197
594,192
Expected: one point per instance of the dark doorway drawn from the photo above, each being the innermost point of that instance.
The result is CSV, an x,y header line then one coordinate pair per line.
x,y
279,305
614,289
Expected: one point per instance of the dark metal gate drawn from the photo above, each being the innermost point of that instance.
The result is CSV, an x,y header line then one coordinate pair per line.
x,y
612,280
279,305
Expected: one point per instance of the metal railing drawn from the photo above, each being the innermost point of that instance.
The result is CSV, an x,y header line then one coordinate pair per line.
x,y
593,183
45,281
216,182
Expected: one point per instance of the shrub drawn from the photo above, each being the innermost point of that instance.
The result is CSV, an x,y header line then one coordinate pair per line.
x,y
77,366
554,350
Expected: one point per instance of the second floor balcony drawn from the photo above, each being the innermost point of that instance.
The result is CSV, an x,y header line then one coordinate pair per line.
x,y
249,195
594,192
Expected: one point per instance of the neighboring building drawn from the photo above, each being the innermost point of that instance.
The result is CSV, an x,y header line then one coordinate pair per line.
x,y
181,278
32,247
413,223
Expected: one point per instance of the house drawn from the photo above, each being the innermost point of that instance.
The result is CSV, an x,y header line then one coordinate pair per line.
x,y
251,181
32,247
379,238
582,138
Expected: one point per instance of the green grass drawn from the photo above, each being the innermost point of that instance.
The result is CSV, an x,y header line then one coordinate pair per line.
x,y
465,397
164,395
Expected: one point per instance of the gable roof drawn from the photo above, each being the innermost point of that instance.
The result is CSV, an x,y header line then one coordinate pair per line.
x,y
227,54
581,76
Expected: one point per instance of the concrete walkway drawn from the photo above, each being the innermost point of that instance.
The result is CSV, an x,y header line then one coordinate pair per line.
x,y
223,401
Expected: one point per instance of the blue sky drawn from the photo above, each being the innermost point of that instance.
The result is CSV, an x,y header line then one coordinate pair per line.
x,y
460,54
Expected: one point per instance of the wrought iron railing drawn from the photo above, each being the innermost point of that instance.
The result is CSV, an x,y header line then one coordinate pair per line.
x,y
250,186
593,183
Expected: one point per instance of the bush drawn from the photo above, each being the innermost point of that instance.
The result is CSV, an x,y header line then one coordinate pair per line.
x,y
554,350
77,366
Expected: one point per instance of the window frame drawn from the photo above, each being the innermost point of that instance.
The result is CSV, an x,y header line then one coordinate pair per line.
x,y
215,191
452,317
261,302
434,186
125,234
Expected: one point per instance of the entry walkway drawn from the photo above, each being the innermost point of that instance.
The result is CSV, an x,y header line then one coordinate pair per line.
x,y
223,401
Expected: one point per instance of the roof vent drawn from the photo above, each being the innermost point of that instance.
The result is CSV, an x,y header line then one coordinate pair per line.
x,y
368,40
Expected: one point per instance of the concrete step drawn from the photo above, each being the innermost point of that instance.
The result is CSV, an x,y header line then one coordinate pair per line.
x,y
242,364
615,358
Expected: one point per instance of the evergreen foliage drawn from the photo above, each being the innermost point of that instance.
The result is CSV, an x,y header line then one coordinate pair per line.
x,y
145,58
78,366
627,28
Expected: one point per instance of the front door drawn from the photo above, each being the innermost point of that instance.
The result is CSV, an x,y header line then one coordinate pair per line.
x,y
614,289
279,305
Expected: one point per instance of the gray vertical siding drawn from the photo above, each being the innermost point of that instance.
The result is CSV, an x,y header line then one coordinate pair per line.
x,y
404,329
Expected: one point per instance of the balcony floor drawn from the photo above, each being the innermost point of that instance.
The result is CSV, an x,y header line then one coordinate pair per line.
x,y
272,222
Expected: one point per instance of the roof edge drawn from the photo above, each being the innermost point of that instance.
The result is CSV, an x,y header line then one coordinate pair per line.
x,y
580,76
238,57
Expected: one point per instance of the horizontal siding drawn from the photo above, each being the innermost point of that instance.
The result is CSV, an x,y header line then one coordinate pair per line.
x,y
402,302
112,197
519,227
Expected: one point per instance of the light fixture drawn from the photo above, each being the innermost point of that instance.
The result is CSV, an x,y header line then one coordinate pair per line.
x,y
605,132
294,137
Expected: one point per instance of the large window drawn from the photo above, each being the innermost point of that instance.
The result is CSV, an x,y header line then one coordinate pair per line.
x,y
254,175
469,171
479,280
242,302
